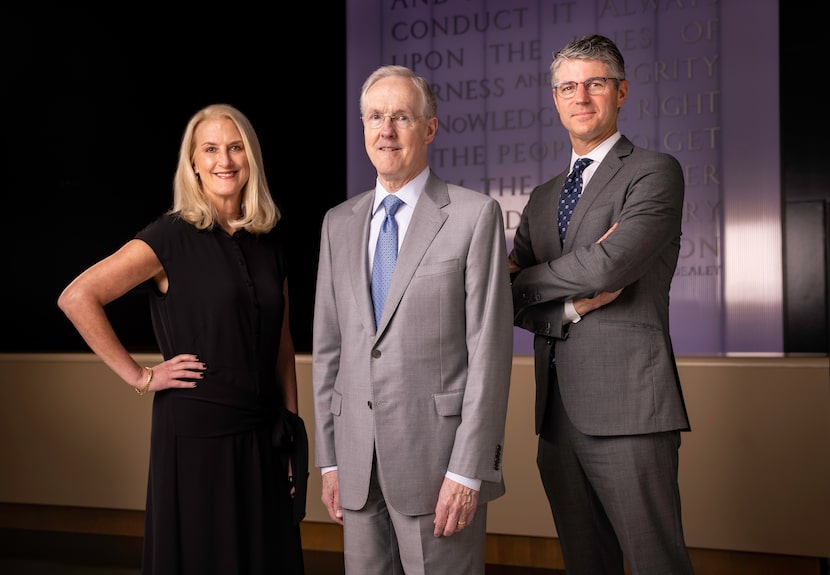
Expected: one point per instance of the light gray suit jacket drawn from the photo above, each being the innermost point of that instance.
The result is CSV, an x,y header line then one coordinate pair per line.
x,y
428,390
616,367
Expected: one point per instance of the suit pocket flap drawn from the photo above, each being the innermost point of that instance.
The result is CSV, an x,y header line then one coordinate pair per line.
x,y
336,404
449,404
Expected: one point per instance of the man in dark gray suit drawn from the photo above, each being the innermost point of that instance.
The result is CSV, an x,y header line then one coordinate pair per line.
x,y
410,407
609,407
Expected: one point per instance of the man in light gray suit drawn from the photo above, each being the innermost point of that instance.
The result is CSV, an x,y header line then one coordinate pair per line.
x,y
609,407
410,412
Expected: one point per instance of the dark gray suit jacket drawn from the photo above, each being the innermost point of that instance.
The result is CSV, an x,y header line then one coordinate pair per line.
x,y
616,367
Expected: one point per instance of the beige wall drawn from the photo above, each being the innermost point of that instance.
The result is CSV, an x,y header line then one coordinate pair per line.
x,y
755,470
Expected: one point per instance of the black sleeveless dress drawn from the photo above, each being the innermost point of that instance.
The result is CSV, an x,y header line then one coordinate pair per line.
x,y
218,500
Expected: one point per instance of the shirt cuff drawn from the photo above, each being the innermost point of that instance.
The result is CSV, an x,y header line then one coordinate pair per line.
x,y
465,481
570,315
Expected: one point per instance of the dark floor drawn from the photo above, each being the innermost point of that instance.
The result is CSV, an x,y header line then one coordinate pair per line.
x,y
44,553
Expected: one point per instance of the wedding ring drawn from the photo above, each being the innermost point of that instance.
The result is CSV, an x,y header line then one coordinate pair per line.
x,y
462,523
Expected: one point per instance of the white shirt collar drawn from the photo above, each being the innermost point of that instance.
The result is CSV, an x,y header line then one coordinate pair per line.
x,y
598,153
409,193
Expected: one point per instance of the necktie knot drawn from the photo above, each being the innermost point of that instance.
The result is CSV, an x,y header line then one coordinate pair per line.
x,y
391,203
574,181
571,191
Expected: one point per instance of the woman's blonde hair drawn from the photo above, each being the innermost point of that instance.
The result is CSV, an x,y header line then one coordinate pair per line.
x,y
259,213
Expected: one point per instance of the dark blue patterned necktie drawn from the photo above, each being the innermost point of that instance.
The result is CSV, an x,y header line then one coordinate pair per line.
x,y
386,254
570,195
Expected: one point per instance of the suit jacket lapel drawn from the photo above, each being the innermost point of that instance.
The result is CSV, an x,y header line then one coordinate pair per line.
x,y
610,165
357,239
427,220
549,240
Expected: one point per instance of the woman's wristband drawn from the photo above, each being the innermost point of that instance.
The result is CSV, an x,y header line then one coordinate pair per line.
x,y
146,387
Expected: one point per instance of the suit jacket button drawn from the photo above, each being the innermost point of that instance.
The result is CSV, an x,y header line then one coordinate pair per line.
x,y
376,353
369,403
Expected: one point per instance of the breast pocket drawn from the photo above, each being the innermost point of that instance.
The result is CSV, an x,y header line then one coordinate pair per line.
x,y
431,269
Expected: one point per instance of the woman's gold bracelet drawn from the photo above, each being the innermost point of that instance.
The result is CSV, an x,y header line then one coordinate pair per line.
x,y
146,387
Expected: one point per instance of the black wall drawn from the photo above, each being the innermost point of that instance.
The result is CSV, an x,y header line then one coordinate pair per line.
x,y
95,113
806,188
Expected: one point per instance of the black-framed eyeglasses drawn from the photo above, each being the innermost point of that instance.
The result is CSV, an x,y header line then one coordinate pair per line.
x,y
594,87
401,121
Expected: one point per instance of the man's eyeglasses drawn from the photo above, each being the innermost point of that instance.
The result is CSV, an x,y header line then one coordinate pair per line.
x,y
401,121
594,87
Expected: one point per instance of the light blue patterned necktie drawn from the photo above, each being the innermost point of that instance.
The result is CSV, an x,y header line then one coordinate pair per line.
x,y
386,254
570,195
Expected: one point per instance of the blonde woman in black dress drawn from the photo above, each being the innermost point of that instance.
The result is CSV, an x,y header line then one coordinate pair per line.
x,y
219,497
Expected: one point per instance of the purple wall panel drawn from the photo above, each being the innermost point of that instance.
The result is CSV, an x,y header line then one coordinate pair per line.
x,y
704,87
